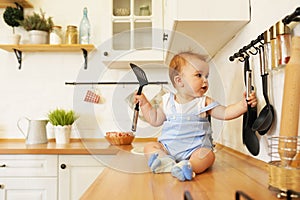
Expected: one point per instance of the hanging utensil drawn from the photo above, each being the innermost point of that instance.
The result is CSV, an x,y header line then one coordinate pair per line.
x,y
249,137
266,116
141,76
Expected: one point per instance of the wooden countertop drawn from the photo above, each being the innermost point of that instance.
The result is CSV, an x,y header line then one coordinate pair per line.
x,y
127,176
231,172
76,146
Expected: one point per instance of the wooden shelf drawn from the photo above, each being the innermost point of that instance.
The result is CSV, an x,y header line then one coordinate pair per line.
x,y
11,3
18,49
47,47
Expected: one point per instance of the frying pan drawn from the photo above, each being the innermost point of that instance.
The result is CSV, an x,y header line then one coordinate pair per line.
x,y
249,137
265,119
141,76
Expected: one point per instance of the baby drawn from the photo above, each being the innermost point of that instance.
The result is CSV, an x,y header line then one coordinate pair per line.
x,y
185,145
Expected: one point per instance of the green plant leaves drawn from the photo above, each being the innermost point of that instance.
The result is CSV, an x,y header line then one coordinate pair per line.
x,y
37,21
62,117
12,16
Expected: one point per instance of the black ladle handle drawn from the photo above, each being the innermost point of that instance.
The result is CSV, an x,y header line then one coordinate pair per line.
x,y
265,88
262,60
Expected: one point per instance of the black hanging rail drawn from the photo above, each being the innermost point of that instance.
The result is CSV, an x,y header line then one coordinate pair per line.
x,y
295,16
244,51
115,83
292,17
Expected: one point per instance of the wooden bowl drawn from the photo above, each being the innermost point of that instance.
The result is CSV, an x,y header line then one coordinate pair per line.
x,y
119,138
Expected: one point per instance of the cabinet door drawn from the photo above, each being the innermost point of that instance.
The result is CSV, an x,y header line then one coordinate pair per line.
x,y
203,26
76,174
133,32
28,165
211,10
28,188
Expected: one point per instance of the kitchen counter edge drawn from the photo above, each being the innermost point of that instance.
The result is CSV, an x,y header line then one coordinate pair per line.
x,y
78,146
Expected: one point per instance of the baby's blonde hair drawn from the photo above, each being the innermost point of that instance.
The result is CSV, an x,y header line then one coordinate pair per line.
x,y
179,61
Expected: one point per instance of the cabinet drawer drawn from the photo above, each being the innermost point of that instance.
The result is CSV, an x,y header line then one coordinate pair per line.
x,y
28,188
77,172
28,165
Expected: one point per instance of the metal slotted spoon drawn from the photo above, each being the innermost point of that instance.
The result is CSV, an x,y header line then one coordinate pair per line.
x,y
141,76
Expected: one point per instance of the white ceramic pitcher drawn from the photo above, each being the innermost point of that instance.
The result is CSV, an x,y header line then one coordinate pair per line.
x,y
36,131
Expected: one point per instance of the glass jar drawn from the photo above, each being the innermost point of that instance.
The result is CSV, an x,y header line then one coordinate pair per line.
x,y
267,51
144,10
71,35
284,40
56,35
274,47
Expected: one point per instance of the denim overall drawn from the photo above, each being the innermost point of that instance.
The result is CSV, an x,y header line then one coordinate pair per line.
x,y
183,133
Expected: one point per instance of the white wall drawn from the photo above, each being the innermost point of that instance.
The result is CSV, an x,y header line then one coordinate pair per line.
x,y
264,13
40,85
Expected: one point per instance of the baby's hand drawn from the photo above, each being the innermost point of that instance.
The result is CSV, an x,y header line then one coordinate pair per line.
x,y
141,99
251,100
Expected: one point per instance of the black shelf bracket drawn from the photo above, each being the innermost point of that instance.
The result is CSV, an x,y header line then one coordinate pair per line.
x,y
19,7
85,55
18,54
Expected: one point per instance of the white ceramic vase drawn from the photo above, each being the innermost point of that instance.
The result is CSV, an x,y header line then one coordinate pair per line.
x,y
38,37
15,39
62,134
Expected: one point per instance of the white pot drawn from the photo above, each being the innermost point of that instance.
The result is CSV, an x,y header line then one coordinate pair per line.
x,y
62,134
14,39
38,37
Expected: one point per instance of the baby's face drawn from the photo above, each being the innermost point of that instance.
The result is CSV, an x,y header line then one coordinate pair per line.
x,y
195,75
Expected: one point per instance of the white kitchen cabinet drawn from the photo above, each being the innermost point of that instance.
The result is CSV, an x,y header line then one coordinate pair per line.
x,y
28,177
77,173
203,26
135,36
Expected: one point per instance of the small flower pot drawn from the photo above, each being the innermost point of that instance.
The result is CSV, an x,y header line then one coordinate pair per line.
x,y
38,37
62,134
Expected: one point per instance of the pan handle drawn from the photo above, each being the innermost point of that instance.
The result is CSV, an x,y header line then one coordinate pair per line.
x,y
138,93
134,121
136,111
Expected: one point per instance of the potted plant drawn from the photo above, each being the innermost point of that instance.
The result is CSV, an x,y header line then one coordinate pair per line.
x,y
38,27
12,16
62,121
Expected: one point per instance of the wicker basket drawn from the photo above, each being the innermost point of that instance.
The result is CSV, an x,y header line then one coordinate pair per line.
x,y
282,177
119,138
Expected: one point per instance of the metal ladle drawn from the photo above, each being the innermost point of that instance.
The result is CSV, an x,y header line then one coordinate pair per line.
x,y
265,119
